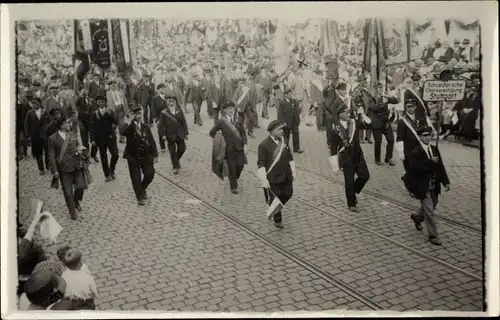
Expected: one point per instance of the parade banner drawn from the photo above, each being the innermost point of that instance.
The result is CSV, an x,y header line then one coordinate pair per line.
x,y
101,50
375,54
121,45
396,34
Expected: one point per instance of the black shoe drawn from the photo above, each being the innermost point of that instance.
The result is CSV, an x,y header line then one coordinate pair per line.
x,y
369,140
380,163
355,200
251,135
279,224
353,209
42,173
113,176
77,206
145,196
176,171
390,162
141,202
95,159
234,191
435,241
299,151
418,225
163,150
108,179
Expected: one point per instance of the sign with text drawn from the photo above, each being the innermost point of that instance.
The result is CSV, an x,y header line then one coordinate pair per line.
x,y
437,90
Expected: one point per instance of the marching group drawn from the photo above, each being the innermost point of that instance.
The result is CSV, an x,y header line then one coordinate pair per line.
x,y
67,121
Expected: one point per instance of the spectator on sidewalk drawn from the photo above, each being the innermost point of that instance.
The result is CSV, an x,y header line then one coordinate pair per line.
x,y
81,287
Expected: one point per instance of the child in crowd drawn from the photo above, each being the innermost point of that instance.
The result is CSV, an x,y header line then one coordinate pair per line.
x,y
80,284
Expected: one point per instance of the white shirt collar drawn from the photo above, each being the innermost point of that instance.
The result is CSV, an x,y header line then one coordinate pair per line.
x,y
274,139
344,123
62,134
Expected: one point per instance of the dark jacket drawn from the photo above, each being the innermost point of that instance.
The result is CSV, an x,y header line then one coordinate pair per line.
x,y
145,94
68,162
102,127
378,111
34,127
347,150
85,106
288,112
405,134
172,126
422,169
265,157
157,106
140,143
235,142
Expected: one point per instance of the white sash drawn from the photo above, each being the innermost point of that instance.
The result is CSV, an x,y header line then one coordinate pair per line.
x,y
278,156
353,123
242,97
413,131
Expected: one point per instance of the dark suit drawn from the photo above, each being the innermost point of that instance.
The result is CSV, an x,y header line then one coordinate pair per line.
x,y
34,129
235,142
288,112
351,158
280,178
410,142
140,152
328,112
22,109
145,94
70,173
378,112
85,106
173,127
426,178
96,89
157,105
195,95
102,131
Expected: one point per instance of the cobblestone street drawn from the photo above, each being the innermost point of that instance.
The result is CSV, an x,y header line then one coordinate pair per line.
x,y
197,247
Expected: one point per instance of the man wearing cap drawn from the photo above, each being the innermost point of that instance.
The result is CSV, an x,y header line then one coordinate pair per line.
x,y
407,138
173,129
233,131
53,101
63,152
244,101
426,175
217,95
276,167
381,125
141,153
117,103
34,127
145,93
346,152
288,112
103,134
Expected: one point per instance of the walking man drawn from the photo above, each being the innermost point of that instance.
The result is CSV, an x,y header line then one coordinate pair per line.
x,y
427,174
173,129
141,153
289,113
103,134
276,167
36,120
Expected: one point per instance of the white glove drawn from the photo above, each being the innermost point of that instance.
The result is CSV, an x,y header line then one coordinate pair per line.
x,y
262,175
401,156
334,163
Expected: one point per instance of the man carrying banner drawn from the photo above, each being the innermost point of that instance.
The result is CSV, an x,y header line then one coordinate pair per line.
x,y
276,170
231,126
346,152
407,138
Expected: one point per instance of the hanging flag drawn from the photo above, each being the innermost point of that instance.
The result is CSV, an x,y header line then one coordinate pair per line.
x,y
375,54
281,53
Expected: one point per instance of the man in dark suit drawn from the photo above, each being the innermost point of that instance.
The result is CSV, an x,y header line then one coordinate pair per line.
x,y
378,111
145,94
85,107
427,173
195,93
276,167
158,104
63,149
141,153
346,152
102,130
328,109
407,138
96,86
288,112
173,129
233,131
34,126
